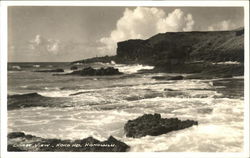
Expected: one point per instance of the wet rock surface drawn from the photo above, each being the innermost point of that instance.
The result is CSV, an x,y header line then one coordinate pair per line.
x,y
19,141
28,100
168,77
89,71
154,125
50,70
73,68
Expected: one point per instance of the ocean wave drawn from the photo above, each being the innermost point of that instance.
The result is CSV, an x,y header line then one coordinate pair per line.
x,y
36,66
129,69
228,63
14,68
52,88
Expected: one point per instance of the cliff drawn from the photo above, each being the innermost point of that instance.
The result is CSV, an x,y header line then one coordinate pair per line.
x,y
181,51
180,47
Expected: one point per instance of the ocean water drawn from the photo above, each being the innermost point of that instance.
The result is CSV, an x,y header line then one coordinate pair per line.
x,y
99,106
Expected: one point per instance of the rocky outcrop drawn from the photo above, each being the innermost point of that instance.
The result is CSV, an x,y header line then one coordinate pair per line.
x,y
154,125
89,71
33,100
19,141
24,96
50,70
168,77
73,68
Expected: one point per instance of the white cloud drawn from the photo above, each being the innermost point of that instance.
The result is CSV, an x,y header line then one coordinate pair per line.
x,y
222,26
41,44
142,23
53,46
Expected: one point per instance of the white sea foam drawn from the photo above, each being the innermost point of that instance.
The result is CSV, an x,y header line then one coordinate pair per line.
x,y
103,108
25,86
201,138
78,63
37,66
51,88
16,67
112,62
55,92
228,63
129,69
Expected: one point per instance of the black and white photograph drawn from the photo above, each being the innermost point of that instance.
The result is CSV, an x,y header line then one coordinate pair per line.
x,y
126,78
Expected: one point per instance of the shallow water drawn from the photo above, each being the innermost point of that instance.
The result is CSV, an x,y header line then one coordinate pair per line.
x,y
102,105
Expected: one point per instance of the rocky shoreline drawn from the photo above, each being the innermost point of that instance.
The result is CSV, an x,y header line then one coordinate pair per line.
x,y
148,124
19,141
89,71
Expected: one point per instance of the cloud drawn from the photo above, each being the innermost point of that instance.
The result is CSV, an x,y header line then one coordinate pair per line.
x,y
222,26
43,45
46,49
144,22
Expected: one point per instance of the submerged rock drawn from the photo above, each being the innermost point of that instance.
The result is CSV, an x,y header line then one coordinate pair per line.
x,y
28,100
73,68
168,77
89,71
15,135
154,125
19,141
50,70
27,95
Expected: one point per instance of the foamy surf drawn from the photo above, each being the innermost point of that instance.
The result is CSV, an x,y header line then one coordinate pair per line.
x,y
72,107
218,129
130,69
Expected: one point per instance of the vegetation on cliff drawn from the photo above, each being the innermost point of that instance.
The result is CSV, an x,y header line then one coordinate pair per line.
x,y
189,52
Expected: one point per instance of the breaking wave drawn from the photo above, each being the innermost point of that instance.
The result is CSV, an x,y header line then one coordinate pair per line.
x,y
129,69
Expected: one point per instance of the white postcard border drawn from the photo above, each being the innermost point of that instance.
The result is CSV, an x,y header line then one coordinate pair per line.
x,y
3,59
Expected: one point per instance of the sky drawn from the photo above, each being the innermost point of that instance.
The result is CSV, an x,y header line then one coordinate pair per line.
x,y
69,33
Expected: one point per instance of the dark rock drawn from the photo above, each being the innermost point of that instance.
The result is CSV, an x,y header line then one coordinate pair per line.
x,y
27,95
168,77
154,125
15,135
50,70
78,93
89,71
119,146
205,110
176,78
73,68
90,144
230,87
239,32
32,100
104,59
169,89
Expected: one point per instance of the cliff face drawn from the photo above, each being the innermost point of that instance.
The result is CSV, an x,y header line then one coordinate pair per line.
x,y
184,52
181,47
